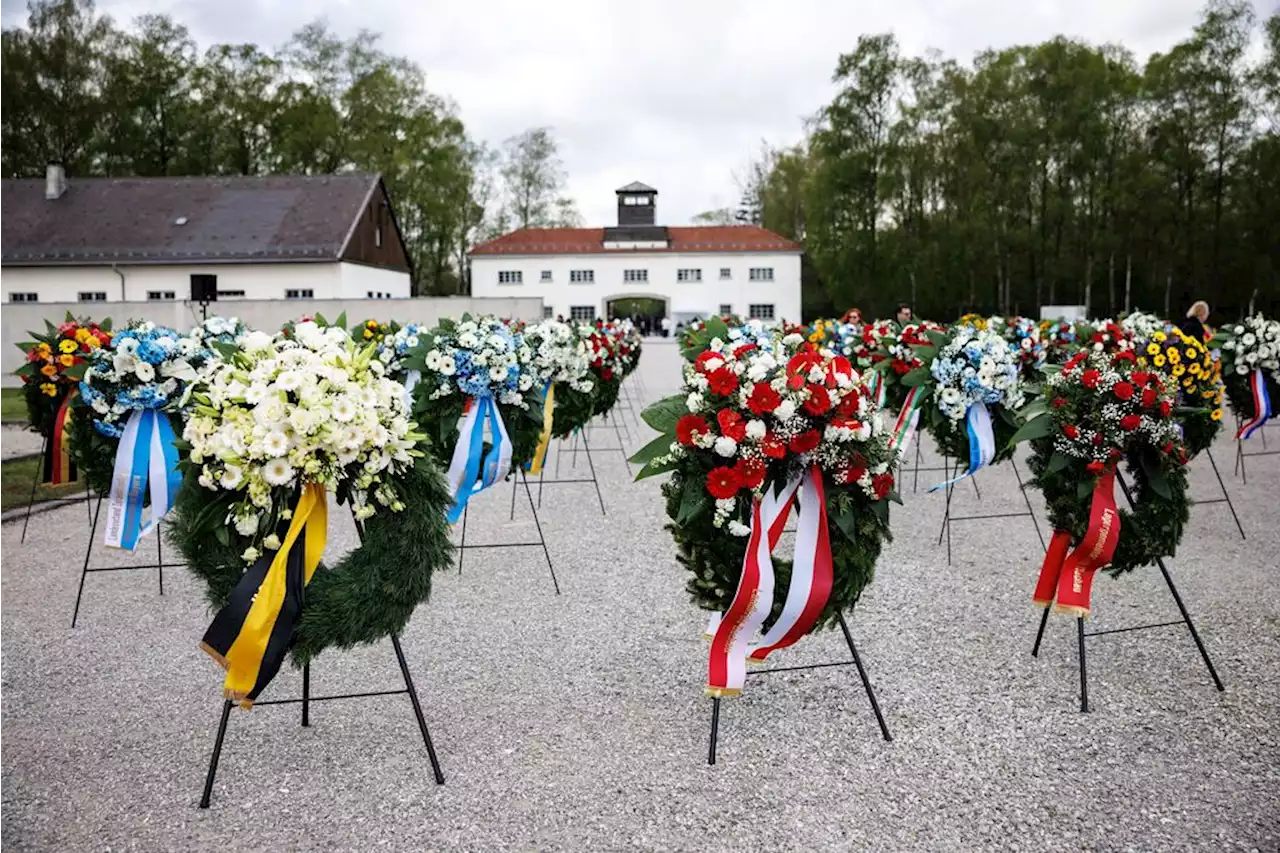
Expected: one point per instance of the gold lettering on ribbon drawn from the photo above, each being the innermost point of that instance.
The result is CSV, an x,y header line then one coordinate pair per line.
x,y
1104,530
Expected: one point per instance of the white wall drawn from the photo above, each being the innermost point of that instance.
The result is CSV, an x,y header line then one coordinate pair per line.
x,y
684,298
18,318
258,281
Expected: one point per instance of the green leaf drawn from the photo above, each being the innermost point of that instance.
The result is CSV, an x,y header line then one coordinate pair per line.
x,y
447,324
225,349
76,371
1037,427
1084,488
916,377
938,339
320,320
341,322
848,524
653,469
693,503
717,328
660,446
664,414
105,325
1057,462
222,534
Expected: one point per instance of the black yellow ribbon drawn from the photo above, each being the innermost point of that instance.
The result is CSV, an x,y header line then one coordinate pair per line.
x,y
251,635
548,420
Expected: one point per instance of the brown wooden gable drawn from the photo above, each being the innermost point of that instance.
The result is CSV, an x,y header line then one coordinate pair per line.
x,y
364,245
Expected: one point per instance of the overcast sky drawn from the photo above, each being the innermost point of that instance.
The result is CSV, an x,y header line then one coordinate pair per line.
x,y
677,93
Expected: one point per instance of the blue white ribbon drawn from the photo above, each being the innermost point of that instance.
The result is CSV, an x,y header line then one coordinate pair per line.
x,y
472,470
1261,405
982,442
146,456
411,380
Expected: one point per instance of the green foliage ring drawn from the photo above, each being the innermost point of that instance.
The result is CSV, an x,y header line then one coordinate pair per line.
x,y
367,595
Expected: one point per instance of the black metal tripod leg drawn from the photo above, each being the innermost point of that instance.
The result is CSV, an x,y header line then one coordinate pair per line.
x,y
1023,489
35,481
1084,677
1191,626
591,465
715,730
417,710
1225,496
217,753
538,525
88,552
866,682
462,541
1044,620
306,694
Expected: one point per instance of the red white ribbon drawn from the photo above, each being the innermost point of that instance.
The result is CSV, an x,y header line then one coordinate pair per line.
x,y
736,633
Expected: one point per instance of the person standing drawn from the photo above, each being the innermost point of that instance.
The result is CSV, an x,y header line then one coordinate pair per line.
x,y
903,316
1194,325
666,327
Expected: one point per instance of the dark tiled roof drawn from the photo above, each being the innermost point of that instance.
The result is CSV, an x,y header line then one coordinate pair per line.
x,y
134,220
573,241
637,187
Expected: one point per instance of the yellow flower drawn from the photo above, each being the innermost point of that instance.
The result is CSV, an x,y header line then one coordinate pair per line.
x,y
1190,353
367,334
49,370
83,334
1158,361
91,342
1174,356
1188,382
1216,414
67,360
49,389
43,349
1159,336
1209,393
67,346
1178,370
1153,349
372,324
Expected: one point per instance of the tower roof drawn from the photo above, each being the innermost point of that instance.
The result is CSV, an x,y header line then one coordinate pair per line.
x,y
637,187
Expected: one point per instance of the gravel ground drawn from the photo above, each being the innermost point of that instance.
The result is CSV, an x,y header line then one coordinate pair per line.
x,y
18,441
578,722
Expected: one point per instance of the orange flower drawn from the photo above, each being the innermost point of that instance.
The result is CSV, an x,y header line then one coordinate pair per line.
x,y
67,360
49,370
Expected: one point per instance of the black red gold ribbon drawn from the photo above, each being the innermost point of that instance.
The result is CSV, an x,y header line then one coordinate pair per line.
x,y
1067,578
58,467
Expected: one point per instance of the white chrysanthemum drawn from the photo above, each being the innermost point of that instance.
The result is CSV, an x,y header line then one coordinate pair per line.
x,y
726,446
278,472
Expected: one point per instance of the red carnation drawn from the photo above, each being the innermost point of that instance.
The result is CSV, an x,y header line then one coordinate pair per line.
x,y
854,473
1124,390
900,367
1095,467
1059,402
1097,337
732,424
687,426
819,400
772,446
750,472
1097,439
1165,408
722,381
805,441
1130,422
607,374
1148,397
723,483
701,361
882,484
1123,355
1090,378
763,399
1074,360
1140,377
1070,431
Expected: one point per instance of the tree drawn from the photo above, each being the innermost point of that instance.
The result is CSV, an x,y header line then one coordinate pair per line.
x,y
719,216
533,180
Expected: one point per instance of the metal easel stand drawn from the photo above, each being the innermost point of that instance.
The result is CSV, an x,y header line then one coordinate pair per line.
x,y
915,478
617,431
35,483
307,699
948,519
854,659
625,396
1081,633
159,564
1226,498
542,478
463,547
1241,456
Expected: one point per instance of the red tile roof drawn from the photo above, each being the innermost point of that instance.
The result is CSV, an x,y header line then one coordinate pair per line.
x,y
572,241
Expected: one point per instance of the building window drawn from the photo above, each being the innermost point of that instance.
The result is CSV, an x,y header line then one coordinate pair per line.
x,y
159,295
300,294
635,200
761,274
582,312
547,312
688,275
24,297
725,309
635,275
510,277
725,274
546,275
582,276
232,294
761,312
377,236
92,296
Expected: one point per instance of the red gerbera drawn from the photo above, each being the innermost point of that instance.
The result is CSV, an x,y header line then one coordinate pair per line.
x,y
763,399
1130,422
805,441
772,446
722,381
882,484
1059,402
687,426
1123,390
723,483
732,424
819,400
750,472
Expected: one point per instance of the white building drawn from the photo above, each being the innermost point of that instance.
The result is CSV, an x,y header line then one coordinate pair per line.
x,y
691,271
158,239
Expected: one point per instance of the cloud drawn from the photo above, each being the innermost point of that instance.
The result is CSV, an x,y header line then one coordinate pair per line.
x,y
675,93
